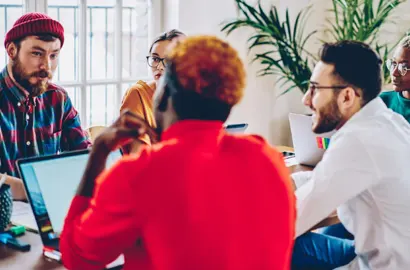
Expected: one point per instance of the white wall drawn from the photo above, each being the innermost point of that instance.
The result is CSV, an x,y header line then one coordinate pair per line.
x,y
266,113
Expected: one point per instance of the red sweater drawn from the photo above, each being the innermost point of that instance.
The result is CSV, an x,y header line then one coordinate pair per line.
x,y
200,199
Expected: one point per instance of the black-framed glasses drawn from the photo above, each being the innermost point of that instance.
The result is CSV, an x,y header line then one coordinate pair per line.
x,y
401,67
313,87
153,61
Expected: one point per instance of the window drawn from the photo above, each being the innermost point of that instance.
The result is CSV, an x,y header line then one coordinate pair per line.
x,y
10,11
104,50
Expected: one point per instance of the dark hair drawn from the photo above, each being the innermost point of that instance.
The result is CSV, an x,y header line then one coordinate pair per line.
x,y
355,64
43,37
170,35
189,104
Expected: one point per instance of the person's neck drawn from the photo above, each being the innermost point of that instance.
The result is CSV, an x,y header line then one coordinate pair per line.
x,y
406,94
10,71
152,85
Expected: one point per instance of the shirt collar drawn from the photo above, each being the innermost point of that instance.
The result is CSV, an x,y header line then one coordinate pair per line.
x,y
21,96
188,127
369,110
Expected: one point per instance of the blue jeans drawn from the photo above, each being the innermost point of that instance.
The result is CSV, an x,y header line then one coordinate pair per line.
x,y
321,252
337,230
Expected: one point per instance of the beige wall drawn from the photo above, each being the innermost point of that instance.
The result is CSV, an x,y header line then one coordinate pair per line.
x,y
266,113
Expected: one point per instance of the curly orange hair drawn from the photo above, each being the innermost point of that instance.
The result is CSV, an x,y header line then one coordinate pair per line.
x,y
210,67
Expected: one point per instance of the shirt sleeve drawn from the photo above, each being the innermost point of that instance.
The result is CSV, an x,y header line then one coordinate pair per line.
x,y
73,136
133,101
98,230
345,171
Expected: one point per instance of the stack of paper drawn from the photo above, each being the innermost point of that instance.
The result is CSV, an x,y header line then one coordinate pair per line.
x,y
23,216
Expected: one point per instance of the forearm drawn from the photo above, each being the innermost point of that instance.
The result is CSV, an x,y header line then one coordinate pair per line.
x,y
17,188
95,166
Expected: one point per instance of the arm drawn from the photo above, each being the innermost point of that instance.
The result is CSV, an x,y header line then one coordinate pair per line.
x,y
17,188
99,229
103,221
133,102
345,171
73,136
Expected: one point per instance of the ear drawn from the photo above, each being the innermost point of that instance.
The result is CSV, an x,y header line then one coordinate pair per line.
x,y
347,99
11,50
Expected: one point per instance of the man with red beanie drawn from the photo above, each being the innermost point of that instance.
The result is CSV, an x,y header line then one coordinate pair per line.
x,y
200,198
37,117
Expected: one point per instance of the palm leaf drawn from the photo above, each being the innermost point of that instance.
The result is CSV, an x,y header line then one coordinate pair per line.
x,y
286,57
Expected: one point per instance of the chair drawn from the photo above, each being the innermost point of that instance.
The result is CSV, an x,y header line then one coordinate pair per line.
x,y
94,131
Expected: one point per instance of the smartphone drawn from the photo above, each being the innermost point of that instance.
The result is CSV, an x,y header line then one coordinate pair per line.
x,y
287,154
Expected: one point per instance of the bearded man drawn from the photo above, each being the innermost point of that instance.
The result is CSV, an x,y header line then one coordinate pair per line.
x,y
36,116
363,173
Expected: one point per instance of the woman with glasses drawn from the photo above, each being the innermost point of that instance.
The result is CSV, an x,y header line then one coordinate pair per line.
x,y
399,99
138,97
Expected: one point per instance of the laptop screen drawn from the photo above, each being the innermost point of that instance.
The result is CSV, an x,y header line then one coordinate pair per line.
x,y
51,183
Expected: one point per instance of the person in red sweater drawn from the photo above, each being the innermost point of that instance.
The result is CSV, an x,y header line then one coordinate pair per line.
x,y
198,199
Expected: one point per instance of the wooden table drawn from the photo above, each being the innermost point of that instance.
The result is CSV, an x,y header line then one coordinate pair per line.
x,y
11,259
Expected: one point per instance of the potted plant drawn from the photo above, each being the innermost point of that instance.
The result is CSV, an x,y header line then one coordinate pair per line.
x,y
286,56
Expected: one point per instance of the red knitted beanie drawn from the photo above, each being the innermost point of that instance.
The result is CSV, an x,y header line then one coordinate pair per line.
x,y
32,24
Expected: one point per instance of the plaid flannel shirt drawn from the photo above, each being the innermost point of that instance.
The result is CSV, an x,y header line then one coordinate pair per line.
x,y
43,125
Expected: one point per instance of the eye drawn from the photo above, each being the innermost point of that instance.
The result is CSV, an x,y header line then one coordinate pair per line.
x,y
36,53
53,56
155,59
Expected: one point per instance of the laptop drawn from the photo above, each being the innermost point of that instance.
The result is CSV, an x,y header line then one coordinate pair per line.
x,y
236,128
50,183
309,147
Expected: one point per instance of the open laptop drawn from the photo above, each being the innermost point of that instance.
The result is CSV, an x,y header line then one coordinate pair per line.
x,y
50,183
236,128
309,147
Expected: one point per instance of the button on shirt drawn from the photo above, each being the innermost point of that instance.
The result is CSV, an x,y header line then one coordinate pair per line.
x,y
365,175
37,126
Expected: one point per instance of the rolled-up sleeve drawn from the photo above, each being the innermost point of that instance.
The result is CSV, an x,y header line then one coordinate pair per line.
x,y
346,170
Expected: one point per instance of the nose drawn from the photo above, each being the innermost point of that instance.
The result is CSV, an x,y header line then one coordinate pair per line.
x,y
161,66
307,99
46,64
395,72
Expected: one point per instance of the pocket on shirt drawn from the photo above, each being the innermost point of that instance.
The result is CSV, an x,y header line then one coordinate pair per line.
x,y
51,144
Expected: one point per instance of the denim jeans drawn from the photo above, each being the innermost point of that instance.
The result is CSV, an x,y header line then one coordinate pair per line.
x,y
337,230
321,252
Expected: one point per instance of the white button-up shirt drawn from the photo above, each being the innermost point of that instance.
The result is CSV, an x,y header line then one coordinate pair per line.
x,y
365,174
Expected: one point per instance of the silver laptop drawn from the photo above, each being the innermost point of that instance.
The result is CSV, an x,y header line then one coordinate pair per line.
x,y
309,147
51,182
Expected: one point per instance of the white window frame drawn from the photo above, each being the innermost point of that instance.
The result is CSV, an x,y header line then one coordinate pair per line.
x,y
155,27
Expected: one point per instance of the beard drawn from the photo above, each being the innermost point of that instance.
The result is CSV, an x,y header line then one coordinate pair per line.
x,y
328,118
23,78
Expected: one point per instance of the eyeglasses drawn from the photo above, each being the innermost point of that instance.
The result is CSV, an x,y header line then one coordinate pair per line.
x,y
402,67
153,61
314,87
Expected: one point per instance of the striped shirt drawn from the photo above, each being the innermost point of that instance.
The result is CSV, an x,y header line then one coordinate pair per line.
x,y
36,126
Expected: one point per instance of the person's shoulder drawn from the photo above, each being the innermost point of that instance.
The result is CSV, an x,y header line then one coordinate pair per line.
x,y
138,87
387,96
54,89
251,144
135,162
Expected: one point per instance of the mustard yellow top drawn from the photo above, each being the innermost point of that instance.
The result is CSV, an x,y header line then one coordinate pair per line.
x,y
138,99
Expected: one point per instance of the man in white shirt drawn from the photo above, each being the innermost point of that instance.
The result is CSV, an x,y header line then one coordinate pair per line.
x,y
363,173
